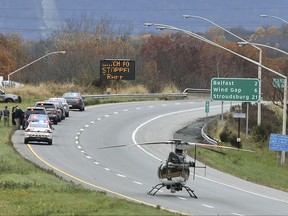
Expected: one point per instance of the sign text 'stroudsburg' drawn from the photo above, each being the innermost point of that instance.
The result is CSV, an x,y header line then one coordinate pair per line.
x,y
117,69
235,89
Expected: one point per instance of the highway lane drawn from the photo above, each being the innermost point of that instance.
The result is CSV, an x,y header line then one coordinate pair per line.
x,y
131,172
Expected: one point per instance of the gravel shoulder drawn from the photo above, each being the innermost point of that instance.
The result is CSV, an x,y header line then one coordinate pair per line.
x,y
192,132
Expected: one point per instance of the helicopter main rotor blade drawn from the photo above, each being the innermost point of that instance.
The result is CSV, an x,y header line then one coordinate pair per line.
x,y
217,146
178,143
146,143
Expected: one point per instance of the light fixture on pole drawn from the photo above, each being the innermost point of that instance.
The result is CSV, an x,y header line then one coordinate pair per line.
x,y
48,54
168,27
242,43
275,17
260,58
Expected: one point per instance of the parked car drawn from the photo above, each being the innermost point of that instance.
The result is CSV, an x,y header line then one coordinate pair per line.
x,y
38,132
42,118
64,103
60,108
75,100
32,110
52,111
9,98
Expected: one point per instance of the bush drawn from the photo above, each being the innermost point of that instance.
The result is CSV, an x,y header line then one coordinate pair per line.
x,y
233,141
260,133
225,134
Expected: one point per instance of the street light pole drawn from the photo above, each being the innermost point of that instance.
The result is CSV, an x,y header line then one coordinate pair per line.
x,y
48,54
260,58
168,27
285,88
275,17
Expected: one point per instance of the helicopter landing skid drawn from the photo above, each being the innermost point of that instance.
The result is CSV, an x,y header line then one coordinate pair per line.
x,y
190,192
157,187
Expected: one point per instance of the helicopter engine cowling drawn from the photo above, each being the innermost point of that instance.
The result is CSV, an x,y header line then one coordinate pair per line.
x,y
171,174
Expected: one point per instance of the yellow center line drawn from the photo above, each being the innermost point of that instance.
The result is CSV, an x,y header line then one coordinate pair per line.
x,y
95,186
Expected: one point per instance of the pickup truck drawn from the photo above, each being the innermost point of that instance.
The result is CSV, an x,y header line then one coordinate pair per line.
x,y
9,98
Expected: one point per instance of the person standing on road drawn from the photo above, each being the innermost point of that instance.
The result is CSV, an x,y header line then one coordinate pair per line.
x,y
6,114
18,117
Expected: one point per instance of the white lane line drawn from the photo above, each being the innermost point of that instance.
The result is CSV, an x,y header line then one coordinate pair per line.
x,y
243,190
153,119
89,157
79,147
125,110
92,122
237,214
122,176
96,162
86,126
107,116
76,137
138,108
107,169
189,110
182,198
82,129
139,183
115,113
208,206
98,119
76,142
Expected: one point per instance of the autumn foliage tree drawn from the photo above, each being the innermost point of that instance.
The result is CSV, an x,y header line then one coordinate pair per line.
x,y
167,59
12,53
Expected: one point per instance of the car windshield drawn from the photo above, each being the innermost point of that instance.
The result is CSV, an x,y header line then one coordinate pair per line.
x,y
39,125
46,105
35,110
37,116
62,100
71,94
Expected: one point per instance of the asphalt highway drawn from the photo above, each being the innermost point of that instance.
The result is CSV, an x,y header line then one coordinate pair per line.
x,y
130,172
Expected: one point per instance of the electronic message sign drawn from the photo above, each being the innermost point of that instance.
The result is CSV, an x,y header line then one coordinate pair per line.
x,y
114,69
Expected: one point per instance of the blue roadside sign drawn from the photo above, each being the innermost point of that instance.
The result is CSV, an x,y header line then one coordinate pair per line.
x,y
278,142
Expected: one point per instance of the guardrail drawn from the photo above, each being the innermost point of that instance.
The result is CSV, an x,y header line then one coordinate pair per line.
x,y
170,96
208,138
166,96
193,90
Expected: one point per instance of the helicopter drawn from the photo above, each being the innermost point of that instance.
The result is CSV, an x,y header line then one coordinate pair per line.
x,y
174,172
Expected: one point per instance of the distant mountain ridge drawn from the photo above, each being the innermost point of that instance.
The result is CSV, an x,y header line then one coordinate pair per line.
x,y
37,19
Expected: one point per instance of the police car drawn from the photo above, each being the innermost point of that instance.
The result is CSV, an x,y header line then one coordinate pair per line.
x,y
38,132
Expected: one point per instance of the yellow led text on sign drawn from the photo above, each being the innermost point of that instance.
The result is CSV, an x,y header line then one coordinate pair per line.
x,y
117,69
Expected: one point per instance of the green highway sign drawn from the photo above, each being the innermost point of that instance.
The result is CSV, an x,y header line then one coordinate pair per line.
x,y
235,89
278,83
207,107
